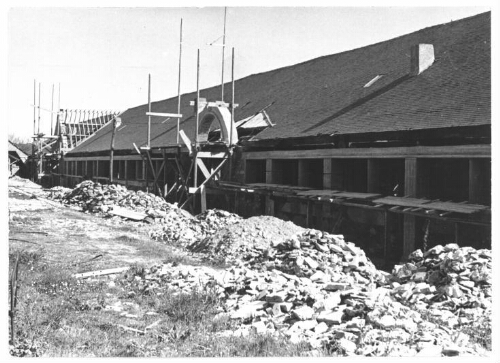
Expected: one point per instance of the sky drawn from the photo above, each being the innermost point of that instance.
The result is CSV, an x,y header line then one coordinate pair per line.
x,y
101,56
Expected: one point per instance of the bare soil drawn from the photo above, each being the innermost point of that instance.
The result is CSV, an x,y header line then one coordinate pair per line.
x,y
69,237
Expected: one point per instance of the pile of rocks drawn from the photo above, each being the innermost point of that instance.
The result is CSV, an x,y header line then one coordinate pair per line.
x,y
452,283
182,229
100,198
244,238
320,256
315,287
351,318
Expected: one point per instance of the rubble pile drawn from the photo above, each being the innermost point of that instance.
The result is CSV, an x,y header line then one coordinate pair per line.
x,y
180,228
452,283
318,288
354,319
100,198
245,237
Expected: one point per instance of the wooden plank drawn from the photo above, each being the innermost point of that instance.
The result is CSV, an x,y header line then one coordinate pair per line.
x,y
451,151
127,213
209,154
356,195
327,173
269,171
401,201
411,181
203,198
186,141
203,168
162,114
101,272
317,192
455,207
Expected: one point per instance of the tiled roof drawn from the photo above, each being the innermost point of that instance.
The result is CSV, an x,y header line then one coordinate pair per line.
x,y
327,96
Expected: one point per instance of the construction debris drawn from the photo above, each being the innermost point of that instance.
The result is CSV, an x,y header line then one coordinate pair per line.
x,y
315,287
311,285
99,198
182,229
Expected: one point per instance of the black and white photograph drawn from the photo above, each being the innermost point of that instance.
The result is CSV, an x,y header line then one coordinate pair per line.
x,y
302,180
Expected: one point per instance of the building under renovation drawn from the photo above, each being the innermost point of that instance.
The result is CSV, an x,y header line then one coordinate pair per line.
x,y
389,144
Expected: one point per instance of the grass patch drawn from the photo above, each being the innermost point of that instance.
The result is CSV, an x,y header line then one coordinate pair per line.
x,y
60,316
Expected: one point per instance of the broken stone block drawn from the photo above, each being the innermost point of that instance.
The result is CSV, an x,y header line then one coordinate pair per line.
x,y
419,276
336,286
347,345
303,312
276,297
330,318
321,328
319,276
311,263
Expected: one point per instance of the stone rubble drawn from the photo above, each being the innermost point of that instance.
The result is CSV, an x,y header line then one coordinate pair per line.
x,y
184,230
310,285
101,198
450,283
340,302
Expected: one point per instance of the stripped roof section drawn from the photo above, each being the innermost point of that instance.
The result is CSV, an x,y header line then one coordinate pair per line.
x,y
326,95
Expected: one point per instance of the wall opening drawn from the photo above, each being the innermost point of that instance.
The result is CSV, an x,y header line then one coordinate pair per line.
x,y
445,179
131,169
311,173
255,171
285,171
103,168
386,176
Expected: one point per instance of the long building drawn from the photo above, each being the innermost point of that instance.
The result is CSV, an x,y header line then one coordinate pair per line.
x,y
389,144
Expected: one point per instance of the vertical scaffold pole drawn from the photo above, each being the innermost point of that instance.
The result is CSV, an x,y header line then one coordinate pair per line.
x,y
149,110
179,86
223,51
232,99
52,113
39,119
232,118
197,120
33,169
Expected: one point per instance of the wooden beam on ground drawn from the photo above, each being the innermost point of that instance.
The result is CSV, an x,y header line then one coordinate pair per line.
x,y
127,213
101,272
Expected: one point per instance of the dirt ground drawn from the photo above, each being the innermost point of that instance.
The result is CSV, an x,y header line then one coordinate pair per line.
x,y
69,237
